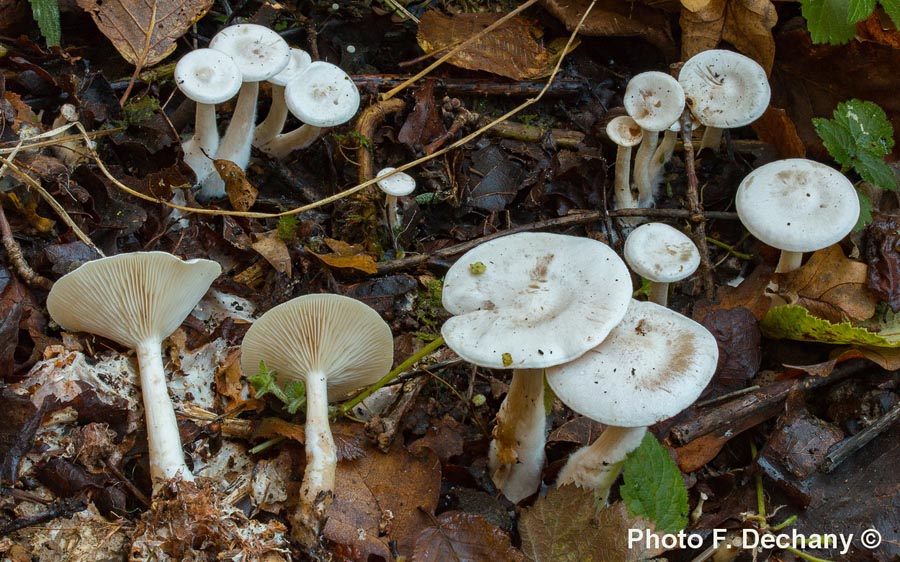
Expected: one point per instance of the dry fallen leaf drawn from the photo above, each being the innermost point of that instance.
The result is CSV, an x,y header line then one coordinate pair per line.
x,y
346,255
746,24
274,250
777,129
512,50
464,536
241,193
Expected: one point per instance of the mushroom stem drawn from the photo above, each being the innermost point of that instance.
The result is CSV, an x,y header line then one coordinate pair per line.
x,y
282,145
166,455
236,143
390,202
624,196
789,261
273,123
517,450
597,466
642,177
200,149
663,154
659,293
317,489
712,138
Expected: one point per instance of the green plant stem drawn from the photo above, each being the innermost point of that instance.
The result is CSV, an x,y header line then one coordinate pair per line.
x,y
266,444
805,556
412,360
786,523
729,249
760,494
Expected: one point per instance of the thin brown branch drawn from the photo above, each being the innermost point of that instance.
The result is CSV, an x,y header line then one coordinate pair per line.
x,y
17,258
698,224
369,119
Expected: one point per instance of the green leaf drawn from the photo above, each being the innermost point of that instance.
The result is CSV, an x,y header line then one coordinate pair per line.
x,y
828,21
796,323
837,139
295,394
860,10
46,14
892,8
868,124
265,383
875,170
654,487
865,211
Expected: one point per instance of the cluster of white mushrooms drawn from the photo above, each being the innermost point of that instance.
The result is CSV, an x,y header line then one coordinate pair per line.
x,y
239,57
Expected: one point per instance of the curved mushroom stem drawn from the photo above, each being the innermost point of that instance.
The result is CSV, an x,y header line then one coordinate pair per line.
x,y
317,489
642,177
712,138
390,203
662,155
517,451
273,123
624,197
597,466
659,293
282,145
200,149
236,143
789,261
166,455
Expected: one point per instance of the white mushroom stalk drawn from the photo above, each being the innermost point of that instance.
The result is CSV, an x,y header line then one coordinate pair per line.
x,y
137,300
271,126
626,134
394,185
662,255
797,205
321,96
654,364
334,345
525,302
259,53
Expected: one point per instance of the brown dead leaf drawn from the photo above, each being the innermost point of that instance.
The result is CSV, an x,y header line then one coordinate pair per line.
x,y
424,123
746,24
348,256
830,286
777,129
241,193
882,241
464,536
513,50
381,498
144,31
274,250
879,28
27,206
695,5
24,114
228,378
750,294
272,427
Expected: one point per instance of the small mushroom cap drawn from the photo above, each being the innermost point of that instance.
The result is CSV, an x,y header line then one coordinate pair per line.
x,y
654,364
131,298
660,253
531,300
258,51
336,336
208,76
797,205
725,89
322,96
398,185
654,100
300,61
624,131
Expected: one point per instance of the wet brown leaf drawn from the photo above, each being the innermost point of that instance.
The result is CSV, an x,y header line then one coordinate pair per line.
x,y
512,50
424,123
498,179
750,294
830,286
746,24
19,421
737,332
275,251
347,256
878,28
445,439
800,441
241,193
777,129
23,112
882,241
463,536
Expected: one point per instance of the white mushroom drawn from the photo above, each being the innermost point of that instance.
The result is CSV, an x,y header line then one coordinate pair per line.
x,y
654,100
797,205
138,300
626,133
662,255
334,345
208,77
724,90
322,96
654,364
260,54
399,184
526,302
273,123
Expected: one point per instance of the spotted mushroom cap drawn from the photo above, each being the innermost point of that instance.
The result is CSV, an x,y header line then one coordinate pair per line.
x,y
531,300
131,298
660,253
654,364
797,205
624,131
725,89
337,336
654,100
258,51
207,76
323,95
398,185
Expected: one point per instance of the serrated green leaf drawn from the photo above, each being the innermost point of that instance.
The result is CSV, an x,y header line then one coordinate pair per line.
x,y
860,10
892,8
868,124
654,487
875,170
796,323
865,211
46,14
827,21
837,140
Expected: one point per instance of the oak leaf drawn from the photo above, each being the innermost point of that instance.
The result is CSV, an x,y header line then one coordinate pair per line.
x,y
746,24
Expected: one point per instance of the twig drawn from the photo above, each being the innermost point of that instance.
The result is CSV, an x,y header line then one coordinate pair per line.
x,y
368,121
840,451
14,251
693,198
141,497
62,508
477,86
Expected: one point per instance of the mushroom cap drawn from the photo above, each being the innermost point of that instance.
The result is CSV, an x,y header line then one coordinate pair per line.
x,y
322,96
300,61
336,336
624,131
654,100
534,299
660,253
131,298
258,51
398,185
725,89
797,205
654,364
208,76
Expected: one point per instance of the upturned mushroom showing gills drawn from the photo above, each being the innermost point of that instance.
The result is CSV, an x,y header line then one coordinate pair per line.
x,y
654,364
335,345
138,300
797,205
527,302
662,255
